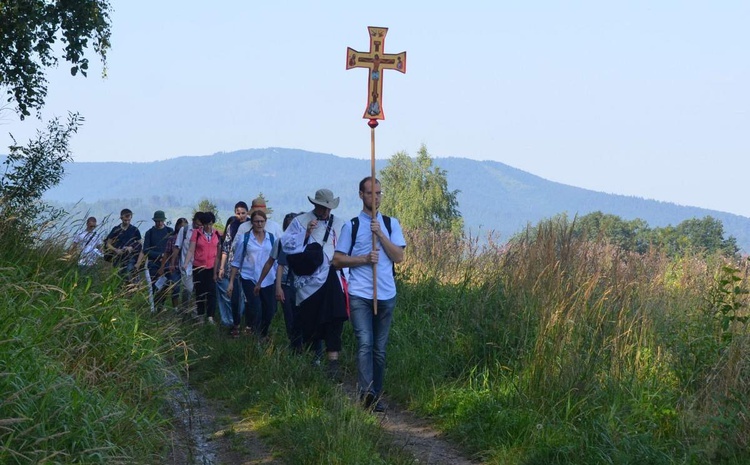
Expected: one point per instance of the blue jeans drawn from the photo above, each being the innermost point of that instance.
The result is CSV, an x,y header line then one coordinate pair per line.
x,y
225,303
371,332
238,303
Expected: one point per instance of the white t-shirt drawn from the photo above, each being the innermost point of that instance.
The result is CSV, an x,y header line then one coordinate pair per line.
x,y
183,238
88,244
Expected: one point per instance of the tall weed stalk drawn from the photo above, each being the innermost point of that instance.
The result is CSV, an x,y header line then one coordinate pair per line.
x,y
556,345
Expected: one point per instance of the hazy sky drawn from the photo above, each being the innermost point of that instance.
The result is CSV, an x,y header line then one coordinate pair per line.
x,y
644,98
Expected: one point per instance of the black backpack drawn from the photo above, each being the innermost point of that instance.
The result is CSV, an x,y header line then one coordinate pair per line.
x,y
355,228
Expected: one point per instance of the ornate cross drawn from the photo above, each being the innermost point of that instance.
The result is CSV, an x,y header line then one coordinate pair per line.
x,y
376,60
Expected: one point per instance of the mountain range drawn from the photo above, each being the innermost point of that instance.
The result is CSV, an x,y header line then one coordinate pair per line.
x,y
493,196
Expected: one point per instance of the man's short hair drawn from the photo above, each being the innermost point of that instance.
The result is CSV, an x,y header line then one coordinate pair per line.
x,y
126,211
362,183
91,219
241,204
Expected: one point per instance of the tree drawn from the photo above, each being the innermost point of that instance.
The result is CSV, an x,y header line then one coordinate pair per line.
x,y
31,170
416,192
704,235
29,30
699,235
628,235
206,205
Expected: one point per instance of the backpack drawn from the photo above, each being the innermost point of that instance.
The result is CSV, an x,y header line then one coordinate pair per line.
x,y
306,262
244,246
355,227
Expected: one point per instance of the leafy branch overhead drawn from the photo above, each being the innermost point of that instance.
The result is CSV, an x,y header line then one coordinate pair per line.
x,y
33,169
29,30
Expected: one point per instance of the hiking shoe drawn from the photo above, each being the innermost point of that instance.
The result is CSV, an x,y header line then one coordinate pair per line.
x,y
248,331
373,403
234,332
380,406
211,320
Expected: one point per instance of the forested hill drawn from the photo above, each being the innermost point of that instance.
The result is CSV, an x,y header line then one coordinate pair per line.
x,y
493,196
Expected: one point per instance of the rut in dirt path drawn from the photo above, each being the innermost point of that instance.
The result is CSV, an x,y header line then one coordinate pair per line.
x,y
206,433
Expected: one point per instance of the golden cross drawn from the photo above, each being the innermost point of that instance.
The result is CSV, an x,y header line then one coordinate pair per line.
x,y
375,60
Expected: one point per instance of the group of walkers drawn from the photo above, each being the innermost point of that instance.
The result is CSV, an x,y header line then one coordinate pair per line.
x,y
318,266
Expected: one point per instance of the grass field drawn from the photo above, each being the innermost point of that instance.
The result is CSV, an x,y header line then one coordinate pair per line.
x,y
548,350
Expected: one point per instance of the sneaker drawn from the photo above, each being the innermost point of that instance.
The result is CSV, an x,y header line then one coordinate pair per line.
x,y
211,320
248,331
234,332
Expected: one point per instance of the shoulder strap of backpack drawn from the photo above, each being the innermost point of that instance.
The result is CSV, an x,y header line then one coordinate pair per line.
x,y
387,221
270,236
244,248
328,230
355,227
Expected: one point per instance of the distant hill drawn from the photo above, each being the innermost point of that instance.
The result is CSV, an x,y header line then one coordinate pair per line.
x,y
493,197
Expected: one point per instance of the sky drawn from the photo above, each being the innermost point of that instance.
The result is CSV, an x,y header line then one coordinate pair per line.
x,y
642,98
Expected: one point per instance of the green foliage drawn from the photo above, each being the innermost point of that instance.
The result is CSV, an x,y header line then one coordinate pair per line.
x,y
693,235
416,192
292,404
30,30
559,350
81,369
206,205
33,169
628,235
727,301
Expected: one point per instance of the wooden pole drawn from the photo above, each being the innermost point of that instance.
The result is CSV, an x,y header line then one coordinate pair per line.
x,y
373,123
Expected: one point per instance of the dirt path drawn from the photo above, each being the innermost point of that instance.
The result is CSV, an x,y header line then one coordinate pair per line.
x,y
416,436
207,433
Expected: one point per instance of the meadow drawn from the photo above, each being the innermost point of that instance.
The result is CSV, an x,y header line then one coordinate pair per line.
x,y
547,350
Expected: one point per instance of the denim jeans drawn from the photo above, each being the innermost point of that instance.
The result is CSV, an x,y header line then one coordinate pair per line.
x,y
238,303
371,332
174,283
225,303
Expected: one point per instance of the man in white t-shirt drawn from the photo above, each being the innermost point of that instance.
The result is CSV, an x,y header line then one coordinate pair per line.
x,y
87,244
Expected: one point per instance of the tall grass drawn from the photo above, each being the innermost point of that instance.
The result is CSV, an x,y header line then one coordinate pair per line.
x,y
549,350
559,350
81,370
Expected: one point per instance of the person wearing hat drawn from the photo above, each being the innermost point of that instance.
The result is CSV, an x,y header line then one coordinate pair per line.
x,y
319,294
259,203
154,245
